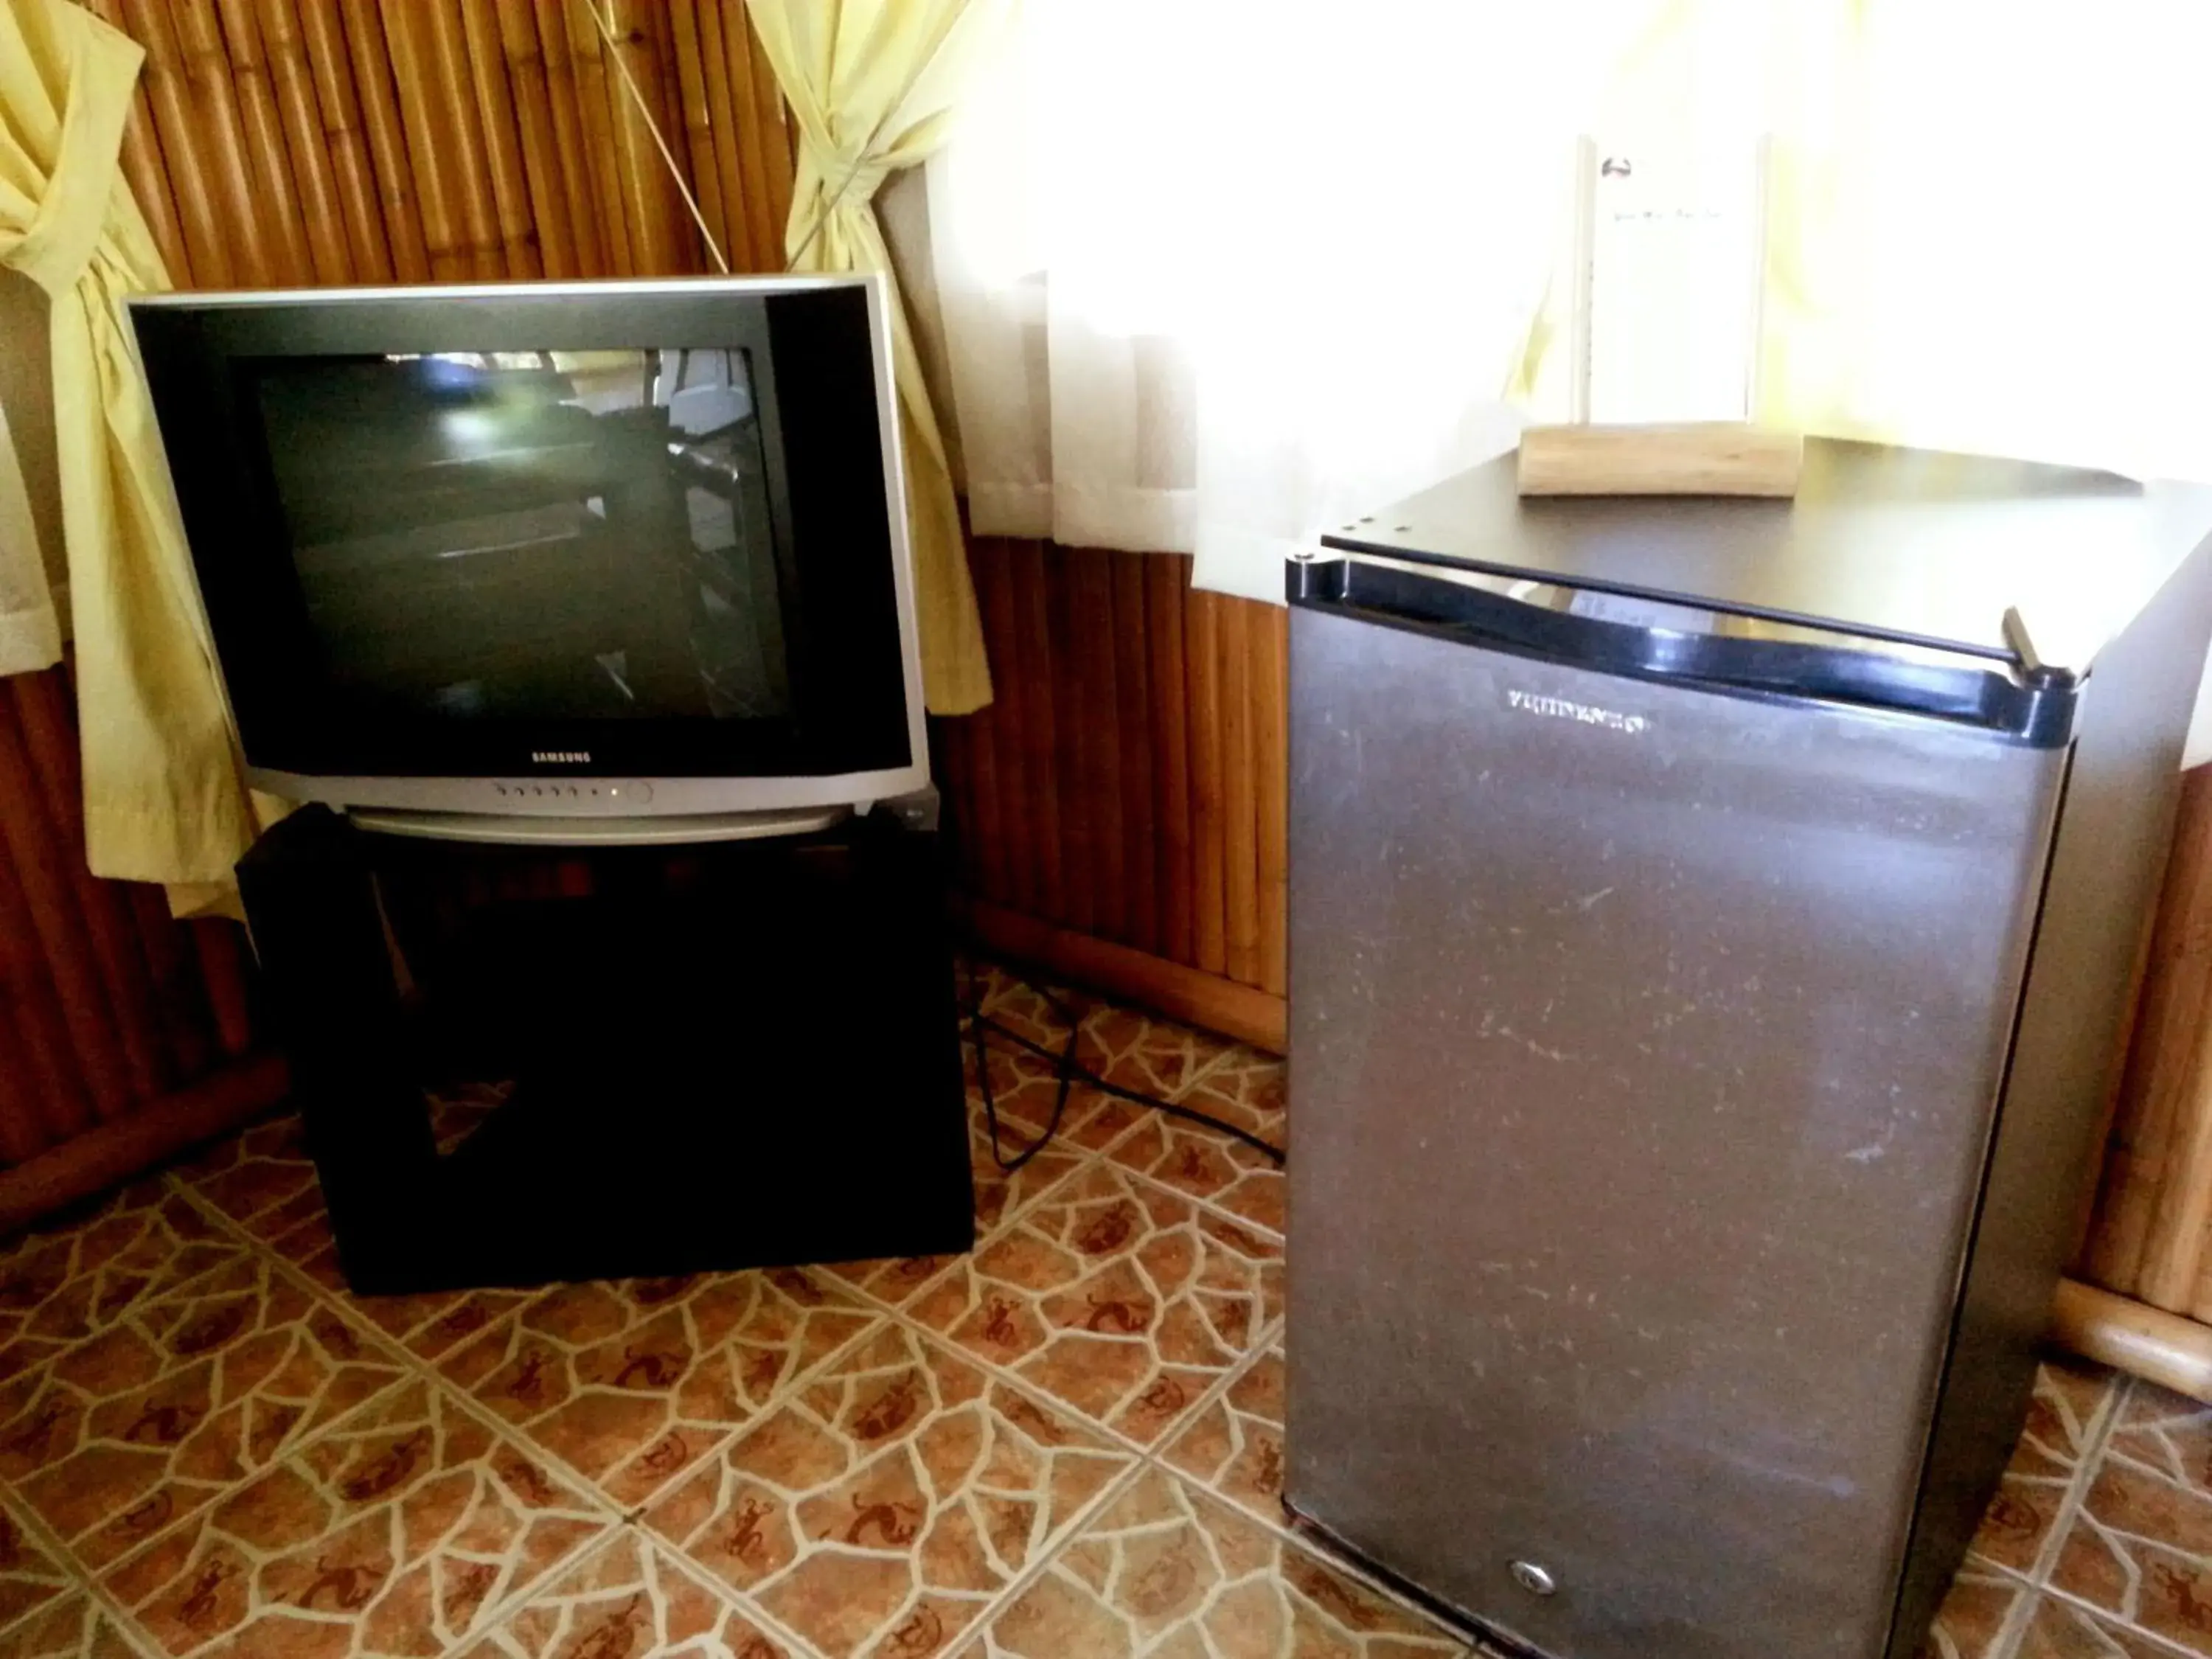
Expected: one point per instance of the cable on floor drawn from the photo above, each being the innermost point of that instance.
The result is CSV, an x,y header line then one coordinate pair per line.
x,y
1069,1072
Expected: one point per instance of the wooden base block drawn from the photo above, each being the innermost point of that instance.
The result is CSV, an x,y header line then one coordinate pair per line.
x,y
2134,1337
1711,459
115,1151
1243,1011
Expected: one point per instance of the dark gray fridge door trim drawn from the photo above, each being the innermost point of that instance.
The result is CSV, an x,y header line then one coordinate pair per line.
x,y
2034,708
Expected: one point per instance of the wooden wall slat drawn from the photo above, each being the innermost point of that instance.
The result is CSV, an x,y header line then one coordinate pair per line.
x,y
1240,813
399,189
1077,826
263,126
47,1067
1032,664
1128,783
1136,780
694,113
323,220
591,74
564,97
1165,578
530,90
58,931
1091,617
662,238
376,256
512,209
986,828
735,220
173,969
1016,886
256,256
460,247
185,146
50,747
23,1132
489,255
1271,739
1209,856
764,149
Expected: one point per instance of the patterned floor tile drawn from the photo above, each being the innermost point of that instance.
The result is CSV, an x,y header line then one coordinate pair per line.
x,y
882,1506
2058,1630
1025,1087
629,1381
2141,1546
1144,1052
894,1280
68,1281
265,1181
1122,1299
189,1391
262,1178
77,1628
393,1533
1972,1622
1023,1091
1235,1444
1246,1089
2067,1408
628,1601
1167,1572
982,982
30,1579
1026,1008
258,1177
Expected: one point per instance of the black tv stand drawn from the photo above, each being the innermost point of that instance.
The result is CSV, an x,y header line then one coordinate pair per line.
x,y
744,1053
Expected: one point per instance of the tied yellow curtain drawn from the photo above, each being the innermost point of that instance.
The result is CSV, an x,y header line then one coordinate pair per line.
x,y
164,800
872,84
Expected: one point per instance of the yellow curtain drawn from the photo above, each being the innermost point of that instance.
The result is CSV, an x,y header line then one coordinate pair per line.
x,y
872,85
163,795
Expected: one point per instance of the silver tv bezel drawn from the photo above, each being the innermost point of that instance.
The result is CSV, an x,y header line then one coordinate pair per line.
x,y
557,790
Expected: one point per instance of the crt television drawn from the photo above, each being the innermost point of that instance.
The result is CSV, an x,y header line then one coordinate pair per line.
x,y
553,550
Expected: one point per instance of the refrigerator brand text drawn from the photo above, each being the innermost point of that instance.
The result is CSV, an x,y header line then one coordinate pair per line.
x,y
1588,714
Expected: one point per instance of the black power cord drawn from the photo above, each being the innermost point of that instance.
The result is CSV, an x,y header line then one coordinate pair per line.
x,y
1069,1072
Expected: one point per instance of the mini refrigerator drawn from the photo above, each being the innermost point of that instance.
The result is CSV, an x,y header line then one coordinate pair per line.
x,y
1713,927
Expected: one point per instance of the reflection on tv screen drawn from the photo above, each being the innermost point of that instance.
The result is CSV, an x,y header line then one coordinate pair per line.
x,y
562,535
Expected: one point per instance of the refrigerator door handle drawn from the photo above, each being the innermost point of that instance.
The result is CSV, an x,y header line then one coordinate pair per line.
x,y
2036,708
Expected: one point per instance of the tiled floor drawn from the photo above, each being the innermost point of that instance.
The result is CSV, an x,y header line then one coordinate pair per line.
x,y
1067,1445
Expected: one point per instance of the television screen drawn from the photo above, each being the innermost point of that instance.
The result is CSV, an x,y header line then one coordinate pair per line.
x,y
568,535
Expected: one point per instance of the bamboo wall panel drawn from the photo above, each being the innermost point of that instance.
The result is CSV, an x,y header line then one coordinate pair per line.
x,y
107,1006
296,142
2149,1235
1130,783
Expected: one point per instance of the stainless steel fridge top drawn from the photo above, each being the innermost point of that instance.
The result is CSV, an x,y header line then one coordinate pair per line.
x,y
1910,545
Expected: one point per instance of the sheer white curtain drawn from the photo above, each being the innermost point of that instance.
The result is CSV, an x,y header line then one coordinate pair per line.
x,y
1216,274
2006,245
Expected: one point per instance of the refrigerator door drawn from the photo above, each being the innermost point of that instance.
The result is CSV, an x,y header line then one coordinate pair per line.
x,y
1646,1033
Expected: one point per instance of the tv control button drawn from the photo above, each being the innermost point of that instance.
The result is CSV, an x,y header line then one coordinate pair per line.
x,y
630,792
